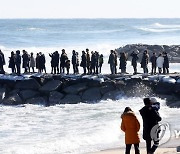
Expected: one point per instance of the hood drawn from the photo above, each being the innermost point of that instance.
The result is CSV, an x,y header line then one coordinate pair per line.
x,y
129,113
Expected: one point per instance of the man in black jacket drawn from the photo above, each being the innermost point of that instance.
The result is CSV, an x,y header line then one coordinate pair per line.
x,y
150,118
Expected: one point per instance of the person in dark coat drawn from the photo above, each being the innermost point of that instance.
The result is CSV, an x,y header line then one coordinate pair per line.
x,y
123,62
112,62
83,61
2,62
150,118
93,63
96,62
37,62
74,61
88,61
68,66
53,69
77,65
116,57
63,60
166,64
144,61
153,62
134,60
42,61
18,62
25,59
56,62
101,61
12,62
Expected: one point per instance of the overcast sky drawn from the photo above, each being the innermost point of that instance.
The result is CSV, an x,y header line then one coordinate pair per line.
x,y
89,8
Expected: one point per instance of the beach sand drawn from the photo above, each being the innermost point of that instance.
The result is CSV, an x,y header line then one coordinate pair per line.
x,y
143,151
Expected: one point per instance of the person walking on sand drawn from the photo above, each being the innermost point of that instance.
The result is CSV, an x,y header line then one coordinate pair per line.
x,y
150,117
130,125
134,60
153,62
159,63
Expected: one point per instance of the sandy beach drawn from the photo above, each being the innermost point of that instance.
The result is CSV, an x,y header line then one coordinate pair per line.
x,y
143,151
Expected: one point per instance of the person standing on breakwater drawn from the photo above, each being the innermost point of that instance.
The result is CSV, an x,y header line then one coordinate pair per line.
x,y
150,118
12,62
42,61
18,62
2,62
77,65
112,62
144,61
166,63
32,62
96,62
88,60
135,58
130,125
123,62
74,61
153,61
93,63
52,55
101,61
159,63
63,60
116,56
37,62
25,59
83,61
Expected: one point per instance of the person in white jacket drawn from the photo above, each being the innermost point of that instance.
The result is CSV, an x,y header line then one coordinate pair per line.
x,y
159,63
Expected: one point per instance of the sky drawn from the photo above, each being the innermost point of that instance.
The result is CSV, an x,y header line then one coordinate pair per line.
x,y
89,9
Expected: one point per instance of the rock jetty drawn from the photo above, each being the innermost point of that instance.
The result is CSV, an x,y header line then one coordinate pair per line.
x,y
172,50
50,89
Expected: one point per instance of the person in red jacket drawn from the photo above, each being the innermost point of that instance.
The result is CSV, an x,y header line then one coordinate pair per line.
x,y
130,125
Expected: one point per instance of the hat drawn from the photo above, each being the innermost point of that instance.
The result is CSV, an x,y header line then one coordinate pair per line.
x,y
153,99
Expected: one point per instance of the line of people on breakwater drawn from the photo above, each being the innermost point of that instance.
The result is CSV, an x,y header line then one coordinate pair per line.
x,y
90,62
161,62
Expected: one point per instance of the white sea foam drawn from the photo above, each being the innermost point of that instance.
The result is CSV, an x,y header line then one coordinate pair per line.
x,y
71,128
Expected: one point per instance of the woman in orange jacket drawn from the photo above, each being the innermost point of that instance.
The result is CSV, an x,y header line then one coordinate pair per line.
x,y
130,125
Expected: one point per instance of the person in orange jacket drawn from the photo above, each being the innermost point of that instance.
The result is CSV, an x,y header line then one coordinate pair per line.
x,y
130,125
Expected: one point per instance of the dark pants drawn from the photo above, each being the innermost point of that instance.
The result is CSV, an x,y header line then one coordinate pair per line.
x,y
135,69
153,148
112,67
165,70
136,148
145,69
18,67
153,70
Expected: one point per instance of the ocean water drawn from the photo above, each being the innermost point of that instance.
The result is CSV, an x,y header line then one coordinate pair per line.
x,y
78,128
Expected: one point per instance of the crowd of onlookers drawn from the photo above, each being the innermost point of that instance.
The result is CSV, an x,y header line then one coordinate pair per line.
x,y
161,62
91,62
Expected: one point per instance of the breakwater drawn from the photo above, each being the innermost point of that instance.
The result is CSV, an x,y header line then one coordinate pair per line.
x,y
48,89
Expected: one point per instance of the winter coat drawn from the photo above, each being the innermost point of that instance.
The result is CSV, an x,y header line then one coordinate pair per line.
x,y
2,59
112,59
74,59
130,125
32,61
18,59
153,61
123,62
12,62
150,118
166,62
88,59
25,58
145,60
160,62
63,59
83,61
134,59
93,60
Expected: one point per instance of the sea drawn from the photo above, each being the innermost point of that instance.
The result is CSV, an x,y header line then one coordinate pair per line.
x,y
78,128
